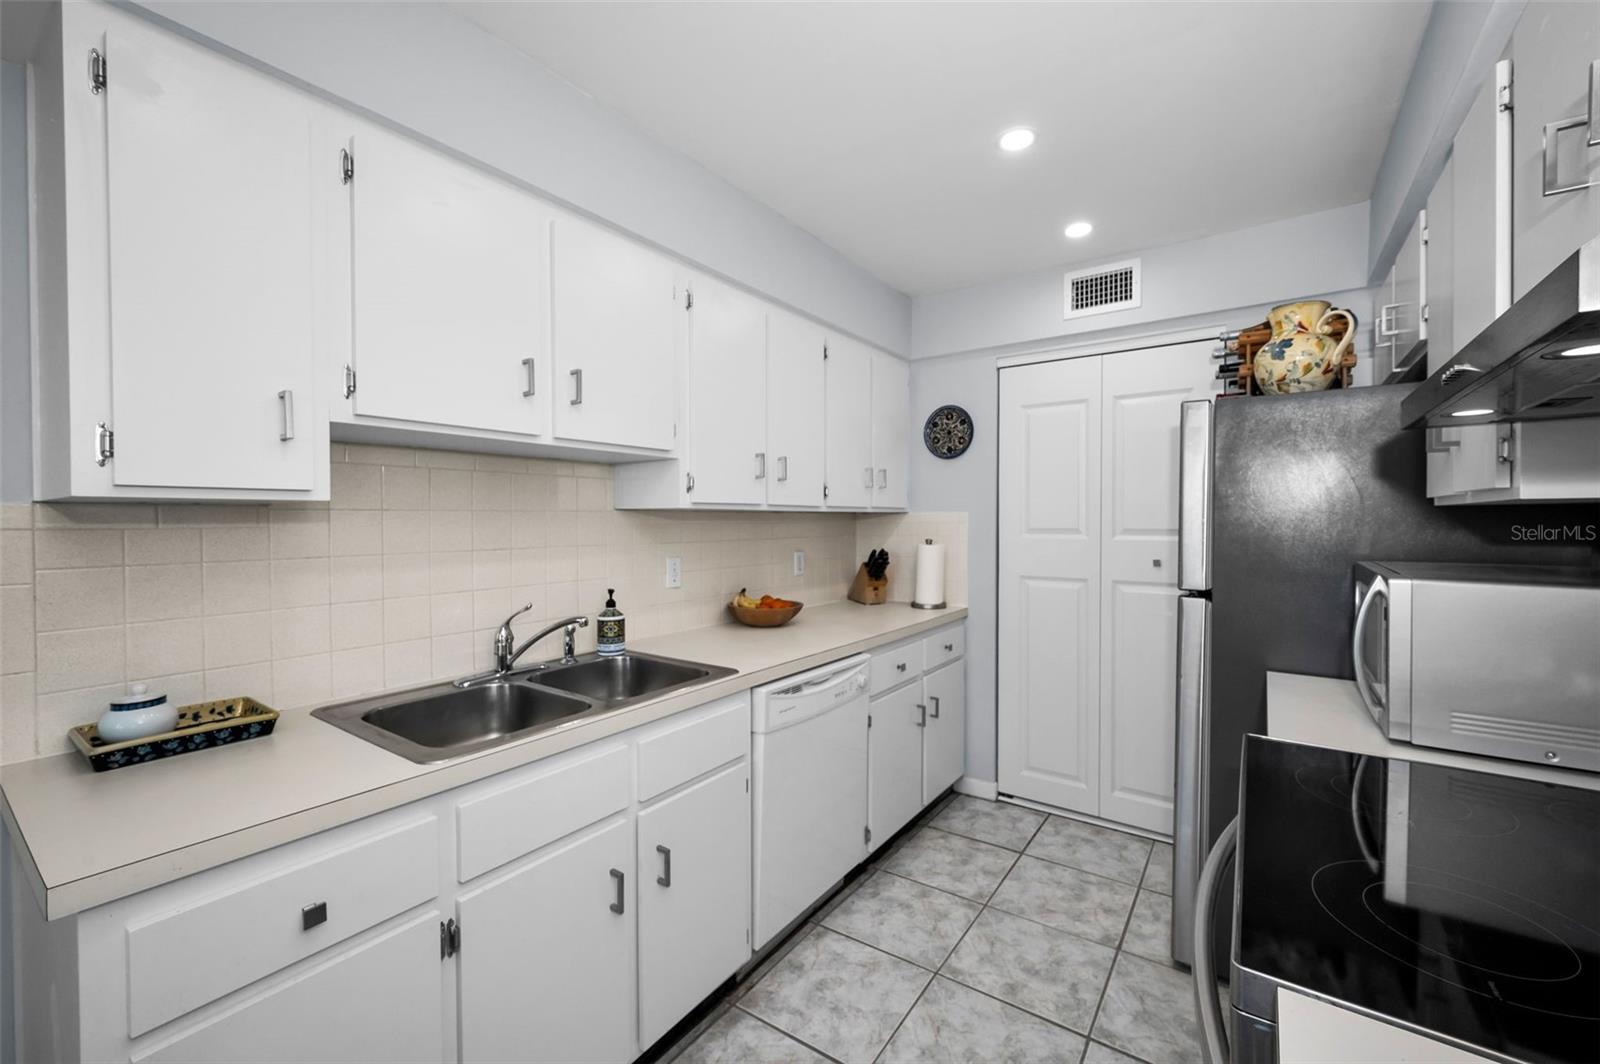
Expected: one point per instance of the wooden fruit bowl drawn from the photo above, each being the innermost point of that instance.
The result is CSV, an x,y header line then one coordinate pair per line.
x,y
771,618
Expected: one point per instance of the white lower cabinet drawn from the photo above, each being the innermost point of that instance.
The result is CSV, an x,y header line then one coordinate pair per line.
x,y
944,740
694,896
894,760
917,730
546,964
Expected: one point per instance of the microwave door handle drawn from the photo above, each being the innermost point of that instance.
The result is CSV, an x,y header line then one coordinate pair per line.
x,y
1369,696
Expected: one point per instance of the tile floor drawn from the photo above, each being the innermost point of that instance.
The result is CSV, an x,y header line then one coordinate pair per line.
x,y
989,933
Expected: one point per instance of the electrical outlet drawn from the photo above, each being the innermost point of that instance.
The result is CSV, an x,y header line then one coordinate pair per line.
x,y
674,572
799,563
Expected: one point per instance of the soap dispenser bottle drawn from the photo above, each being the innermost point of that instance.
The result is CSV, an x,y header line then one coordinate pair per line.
x,y
611,637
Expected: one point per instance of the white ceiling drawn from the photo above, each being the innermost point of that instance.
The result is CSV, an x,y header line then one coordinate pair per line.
x,y
873,125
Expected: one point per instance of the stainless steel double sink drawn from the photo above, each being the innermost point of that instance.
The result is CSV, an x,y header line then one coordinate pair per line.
x,y
449,720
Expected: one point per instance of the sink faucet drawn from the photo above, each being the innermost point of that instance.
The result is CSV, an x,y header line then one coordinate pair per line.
x,y
504,641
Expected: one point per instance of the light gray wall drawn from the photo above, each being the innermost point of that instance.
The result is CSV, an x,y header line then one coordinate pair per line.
x,y
1321,252
16,473
1459,47
422,69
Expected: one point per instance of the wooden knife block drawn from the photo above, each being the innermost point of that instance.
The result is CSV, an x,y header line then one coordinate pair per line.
x,y
867,591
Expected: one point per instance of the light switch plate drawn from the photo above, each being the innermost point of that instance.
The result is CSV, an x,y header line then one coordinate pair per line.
x,y
799,563
674,572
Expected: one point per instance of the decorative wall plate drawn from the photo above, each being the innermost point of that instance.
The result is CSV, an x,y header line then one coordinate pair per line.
x,y
948,432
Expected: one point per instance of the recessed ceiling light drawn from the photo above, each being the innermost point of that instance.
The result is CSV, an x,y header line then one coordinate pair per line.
x,y
1470,413
1078,230
1586,351
1018,139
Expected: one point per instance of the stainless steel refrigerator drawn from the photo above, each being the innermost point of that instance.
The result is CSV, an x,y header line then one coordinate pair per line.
x,y
1280,496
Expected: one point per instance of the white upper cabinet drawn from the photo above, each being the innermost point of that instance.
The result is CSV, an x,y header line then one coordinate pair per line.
x,y
1556,152
848,429
727,397
617,313
1440,268
451,291
891,429
1406,326
794,410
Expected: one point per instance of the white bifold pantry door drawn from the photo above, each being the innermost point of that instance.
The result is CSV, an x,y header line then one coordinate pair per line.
x,y
1088,570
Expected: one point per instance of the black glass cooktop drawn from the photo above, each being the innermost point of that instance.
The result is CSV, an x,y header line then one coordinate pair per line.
x,y
1461,902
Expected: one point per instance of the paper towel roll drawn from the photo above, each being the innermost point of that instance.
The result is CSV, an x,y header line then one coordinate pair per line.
x,y
930,576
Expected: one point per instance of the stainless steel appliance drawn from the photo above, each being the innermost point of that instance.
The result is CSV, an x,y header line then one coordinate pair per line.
x,y
1502,660
1190,836
1460,905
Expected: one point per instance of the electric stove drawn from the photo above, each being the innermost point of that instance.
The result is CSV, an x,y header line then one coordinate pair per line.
x,y
1461,904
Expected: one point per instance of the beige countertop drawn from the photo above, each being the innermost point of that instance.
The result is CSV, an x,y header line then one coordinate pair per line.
x,y
1321,711
85,838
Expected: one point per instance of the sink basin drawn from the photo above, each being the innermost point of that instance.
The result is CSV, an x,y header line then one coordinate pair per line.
x,y
459,717
623,678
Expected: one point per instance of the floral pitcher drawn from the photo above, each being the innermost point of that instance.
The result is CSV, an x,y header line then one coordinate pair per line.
x,y
1302,356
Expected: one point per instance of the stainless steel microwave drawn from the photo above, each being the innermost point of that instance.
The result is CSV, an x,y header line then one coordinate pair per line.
x,y
1502,660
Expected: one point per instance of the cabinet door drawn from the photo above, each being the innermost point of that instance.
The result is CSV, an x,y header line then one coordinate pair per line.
x,y
1405,323
847,437
1551,53
1383,332
1441,268
894,760
547,968
380,1001
451,283
944,741
891,428
727,397
795,407
616,309
211,270
694,898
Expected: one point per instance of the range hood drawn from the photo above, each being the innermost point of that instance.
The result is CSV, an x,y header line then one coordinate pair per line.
x,y
1539,360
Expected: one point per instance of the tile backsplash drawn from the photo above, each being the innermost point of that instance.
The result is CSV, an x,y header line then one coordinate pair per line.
x,y
900,534
401,578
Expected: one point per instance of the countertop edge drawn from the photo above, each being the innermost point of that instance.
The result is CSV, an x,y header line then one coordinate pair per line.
x,y
78,894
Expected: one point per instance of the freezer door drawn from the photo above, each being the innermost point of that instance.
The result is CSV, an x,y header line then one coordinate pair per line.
x,y
1194,496
1189,834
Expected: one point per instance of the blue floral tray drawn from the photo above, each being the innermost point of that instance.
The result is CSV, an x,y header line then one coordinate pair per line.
x,y
200,726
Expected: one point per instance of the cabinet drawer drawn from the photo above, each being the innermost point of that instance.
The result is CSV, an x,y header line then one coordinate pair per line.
x,y
186,957
545,803
893,666
943,646
678,750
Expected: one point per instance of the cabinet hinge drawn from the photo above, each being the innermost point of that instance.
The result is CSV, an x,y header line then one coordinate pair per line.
x,y
688,299
688,482
347,166
449,938
97,71
349,380
866,836
105,444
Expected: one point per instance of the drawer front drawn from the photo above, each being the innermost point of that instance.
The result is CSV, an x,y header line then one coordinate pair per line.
x,y
893,666
217,944
545,803
676,751
943,646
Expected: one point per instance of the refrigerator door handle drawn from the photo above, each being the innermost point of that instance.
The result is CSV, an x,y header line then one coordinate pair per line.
x,y
1369,695
1189,800
1194,495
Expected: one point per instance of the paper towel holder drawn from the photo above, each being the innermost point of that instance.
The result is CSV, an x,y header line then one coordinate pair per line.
x,y
928,605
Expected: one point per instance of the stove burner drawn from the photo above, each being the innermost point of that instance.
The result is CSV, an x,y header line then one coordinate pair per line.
x,y
1517,948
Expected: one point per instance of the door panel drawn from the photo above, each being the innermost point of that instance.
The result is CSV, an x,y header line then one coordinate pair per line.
x,y
694,930
848,436
891,421
795,405
944,742
547,966
451,290
728,396
211,270
1138,722
894,761
1049,605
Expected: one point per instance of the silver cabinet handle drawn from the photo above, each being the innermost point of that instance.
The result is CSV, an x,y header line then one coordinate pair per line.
x,y
761,465
527,393
935,700
783,467
314,915
900,666
949,648
286,402
922,716
1552,134
617,906
883,478
665,878
577,387
867,483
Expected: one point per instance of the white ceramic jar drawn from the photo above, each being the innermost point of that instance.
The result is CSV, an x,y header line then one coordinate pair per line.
x,y
136,715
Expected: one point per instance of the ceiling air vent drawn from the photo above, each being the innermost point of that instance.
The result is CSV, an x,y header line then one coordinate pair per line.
x,y
1102,288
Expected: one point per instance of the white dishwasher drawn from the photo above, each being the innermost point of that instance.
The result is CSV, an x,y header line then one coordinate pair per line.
x,y
809,742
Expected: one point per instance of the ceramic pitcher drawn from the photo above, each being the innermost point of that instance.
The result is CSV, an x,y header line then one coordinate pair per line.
x,y
1301,356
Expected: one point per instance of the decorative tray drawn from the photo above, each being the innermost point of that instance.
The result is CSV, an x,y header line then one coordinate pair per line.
x,y
202,725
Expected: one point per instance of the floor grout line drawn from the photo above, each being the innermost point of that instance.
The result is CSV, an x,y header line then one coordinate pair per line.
x,y
787,1034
